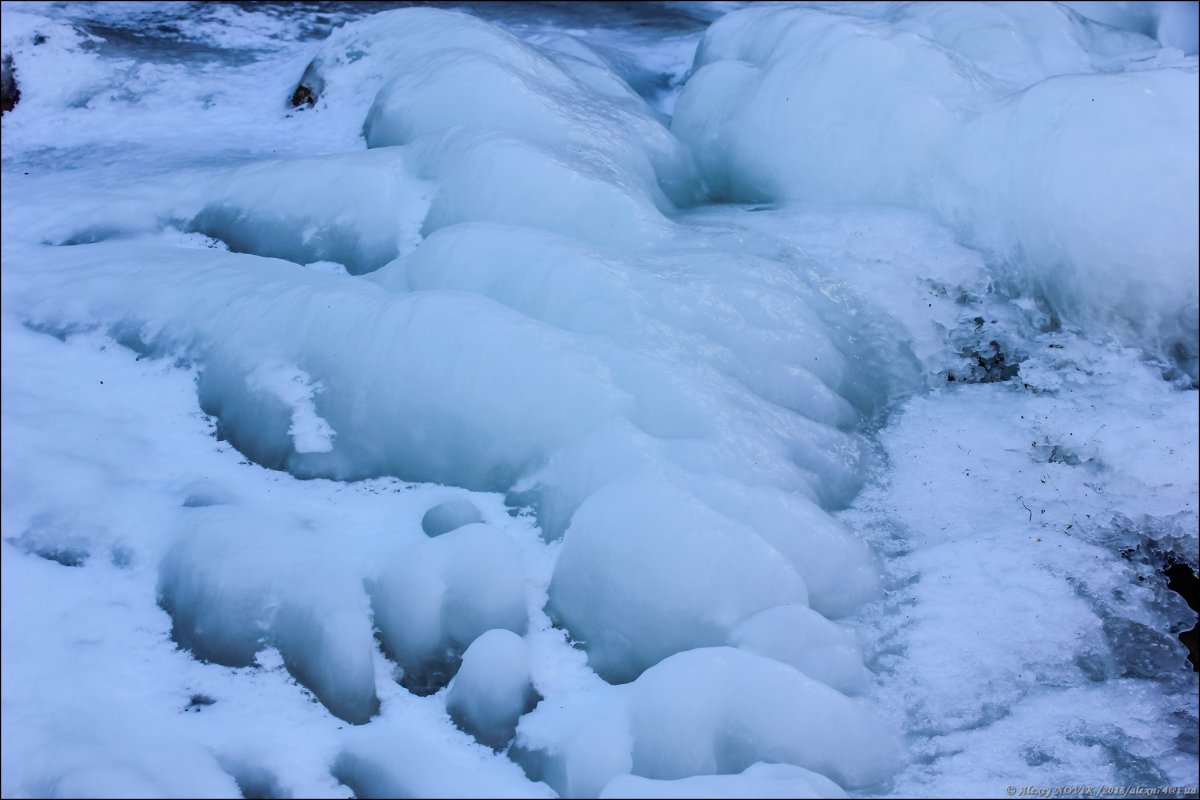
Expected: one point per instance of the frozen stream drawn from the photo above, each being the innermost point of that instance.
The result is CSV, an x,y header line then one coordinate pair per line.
x,y
553,399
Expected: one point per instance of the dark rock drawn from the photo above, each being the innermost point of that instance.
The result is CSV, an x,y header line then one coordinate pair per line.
x,y
984,364
303,96
432,675
10,94
1182,580
1167,567
199,701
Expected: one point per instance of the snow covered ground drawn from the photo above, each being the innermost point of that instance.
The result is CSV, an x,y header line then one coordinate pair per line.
x,y
673,399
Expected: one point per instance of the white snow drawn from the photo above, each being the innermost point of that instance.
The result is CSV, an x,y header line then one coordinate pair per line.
x,y
598,400
295,389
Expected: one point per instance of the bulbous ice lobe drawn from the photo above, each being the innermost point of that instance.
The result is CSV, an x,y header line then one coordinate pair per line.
x,y
437,597
511,133
757,780
235,584
706,711
647,571
492,690
1064,148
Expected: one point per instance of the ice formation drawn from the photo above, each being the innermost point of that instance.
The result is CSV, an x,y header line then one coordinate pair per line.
x,y
527,398
1063,147
492,690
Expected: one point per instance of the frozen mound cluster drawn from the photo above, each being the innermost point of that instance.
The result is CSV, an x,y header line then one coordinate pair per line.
x,y
524,313
494,275
1063,147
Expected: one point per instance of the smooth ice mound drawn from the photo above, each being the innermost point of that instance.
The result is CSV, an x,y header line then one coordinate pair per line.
x,y
757,780
1062,147
493,688
799,636
401,762
235,584
448,516
357,210
438,596
707,711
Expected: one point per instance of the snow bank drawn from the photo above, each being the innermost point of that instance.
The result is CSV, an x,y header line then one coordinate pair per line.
x,y
79,766
1064,148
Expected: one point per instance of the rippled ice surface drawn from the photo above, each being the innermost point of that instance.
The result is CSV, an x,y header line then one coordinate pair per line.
x,y
615,399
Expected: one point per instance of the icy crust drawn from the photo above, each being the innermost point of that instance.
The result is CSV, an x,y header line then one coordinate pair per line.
x,y
1015,124
706,711
1053,509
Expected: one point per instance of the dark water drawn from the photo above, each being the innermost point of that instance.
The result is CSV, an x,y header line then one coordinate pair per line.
x,y
562,13
182,32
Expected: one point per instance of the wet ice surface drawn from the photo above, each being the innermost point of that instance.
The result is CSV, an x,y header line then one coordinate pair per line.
x,y
446,438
